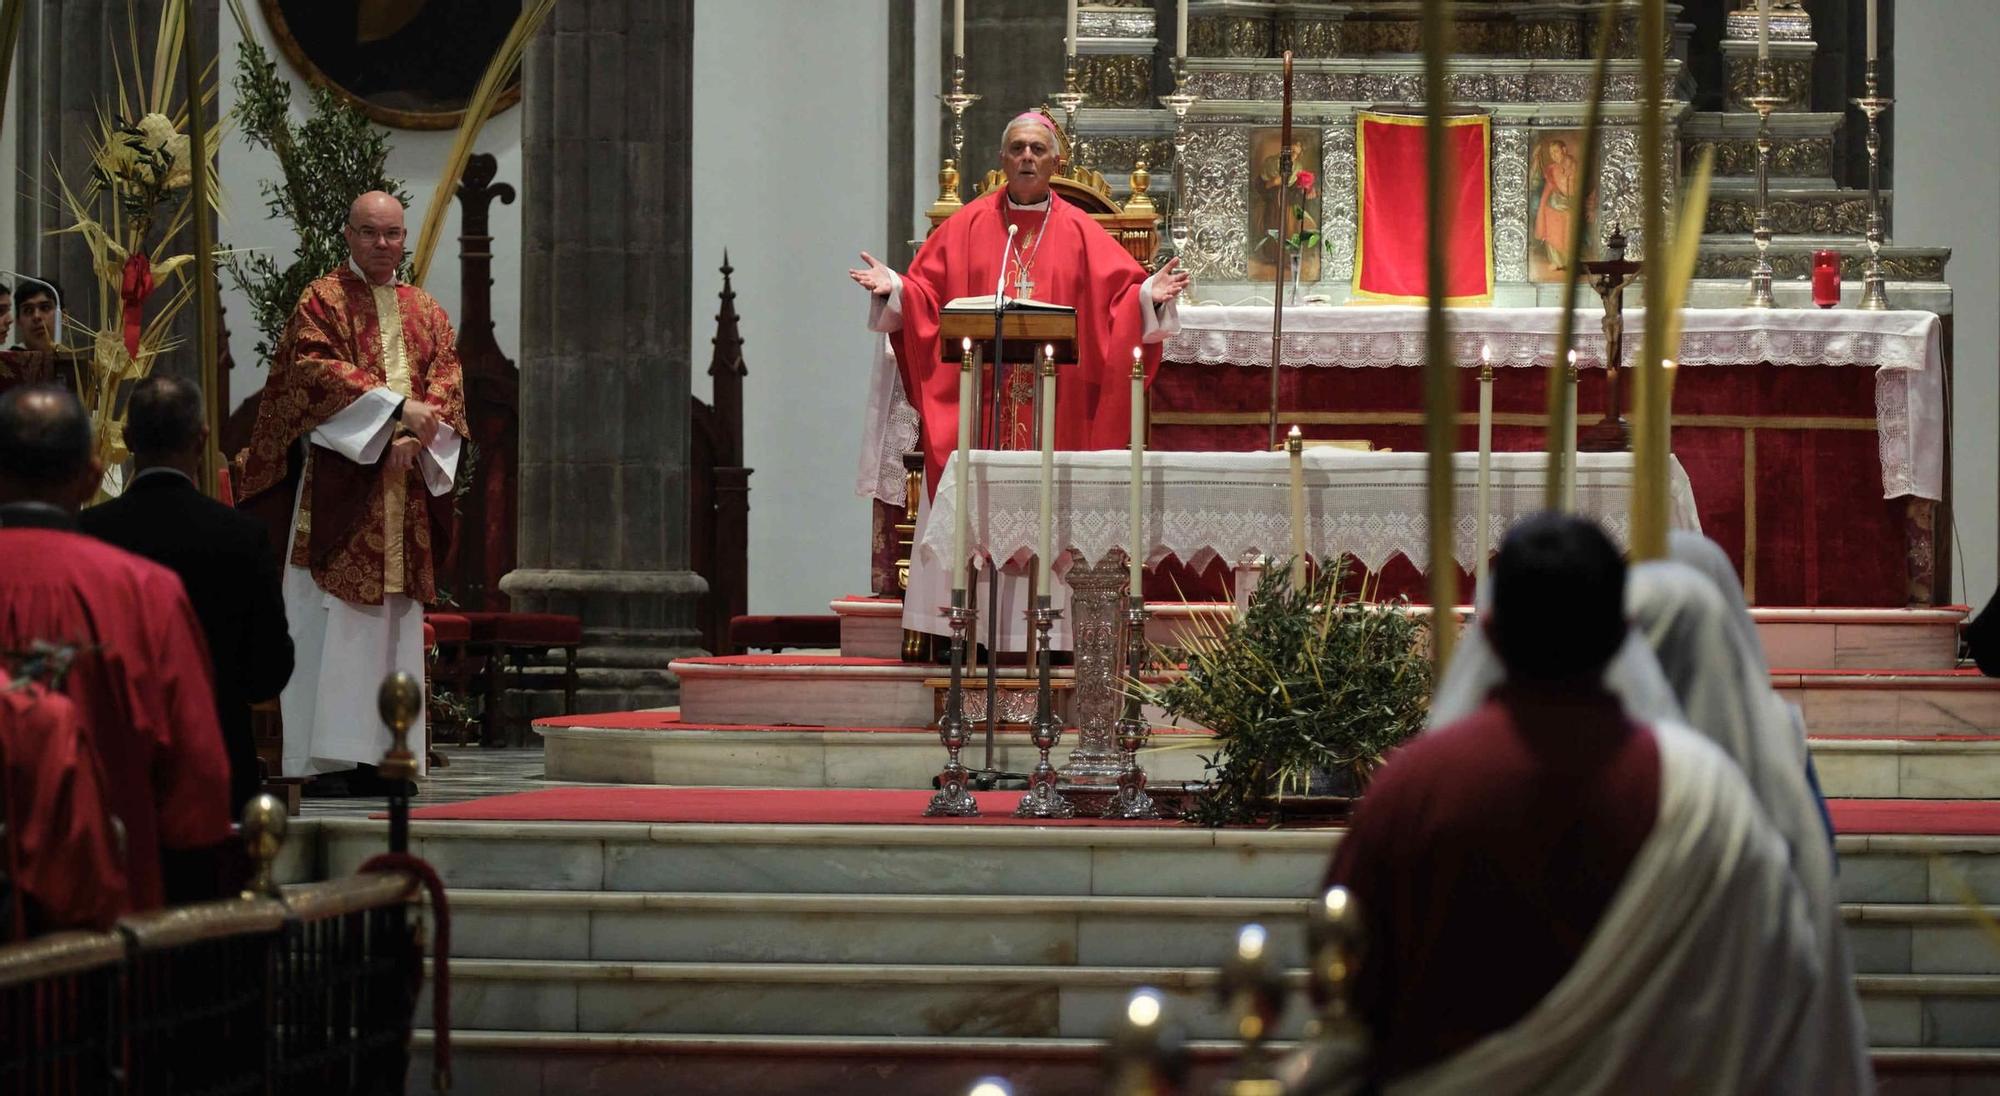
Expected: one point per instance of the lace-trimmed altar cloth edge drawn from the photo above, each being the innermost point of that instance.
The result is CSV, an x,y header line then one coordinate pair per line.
x,y
1200,506
1905,347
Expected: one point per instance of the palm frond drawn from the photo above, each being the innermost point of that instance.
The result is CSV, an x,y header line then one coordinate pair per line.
x,y
477,110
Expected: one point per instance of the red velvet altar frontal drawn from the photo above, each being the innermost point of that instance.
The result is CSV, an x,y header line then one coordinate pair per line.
x,y
1783,459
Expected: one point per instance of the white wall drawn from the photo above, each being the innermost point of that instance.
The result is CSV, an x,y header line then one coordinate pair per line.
x,y
790,132
415,156
1947,187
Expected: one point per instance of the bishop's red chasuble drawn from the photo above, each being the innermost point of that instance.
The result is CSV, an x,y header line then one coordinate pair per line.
x,y
1071,260
334,351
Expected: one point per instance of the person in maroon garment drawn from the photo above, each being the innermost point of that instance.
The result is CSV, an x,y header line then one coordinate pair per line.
x,y
140,680
1484,852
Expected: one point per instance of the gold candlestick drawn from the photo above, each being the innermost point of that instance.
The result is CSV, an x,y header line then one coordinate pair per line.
x,y
956,101
1764,102
1874,295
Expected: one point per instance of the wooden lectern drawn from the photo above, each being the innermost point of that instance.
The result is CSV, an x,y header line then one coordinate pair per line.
x,y
1024,327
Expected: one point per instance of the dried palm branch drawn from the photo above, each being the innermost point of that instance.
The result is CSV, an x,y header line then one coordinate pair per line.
x,y
506,61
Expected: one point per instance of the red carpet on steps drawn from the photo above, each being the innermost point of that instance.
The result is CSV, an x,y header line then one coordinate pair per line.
x,y
877,807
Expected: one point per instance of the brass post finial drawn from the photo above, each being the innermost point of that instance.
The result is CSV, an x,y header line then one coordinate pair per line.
x,y
400,701
264,826
1254,993
1334,940
1147,1051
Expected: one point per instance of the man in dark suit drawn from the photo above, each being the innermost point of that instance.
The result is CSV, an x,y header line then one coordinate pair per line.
x,y
223,558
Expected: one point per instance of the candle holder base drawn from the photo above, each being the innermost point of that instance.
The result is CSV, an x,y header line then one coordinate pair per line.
x,y
1607,436
953,798
1043,799
1131,800
1874,292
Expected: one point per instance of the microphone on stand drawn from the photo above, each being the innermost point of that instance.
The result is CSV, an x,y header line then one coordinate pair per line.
x,y
999,342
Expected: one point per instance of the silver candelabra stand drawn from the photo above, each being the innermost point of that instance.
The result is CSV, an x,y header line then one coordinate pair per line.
x,y
1132,800
1180,102
1071,100
1764,101
1874,294
954,795
957,101
1043,800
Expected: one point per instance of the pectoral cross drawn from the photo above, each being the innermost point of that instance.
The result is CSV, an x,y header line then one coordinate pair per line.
x,y
1023,287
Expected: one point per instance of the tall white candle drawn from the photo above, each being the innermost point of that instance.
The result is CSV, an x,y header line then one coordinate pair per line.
x,y
1180,29
1763,30
1135,548
958,28
1871,30
1069,30
1569,440
1295,446
1485,485
968,395
1047,554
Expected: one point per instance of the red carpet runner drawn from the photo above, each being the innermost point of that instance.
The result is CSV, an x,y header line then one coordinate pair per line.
x,y
895,807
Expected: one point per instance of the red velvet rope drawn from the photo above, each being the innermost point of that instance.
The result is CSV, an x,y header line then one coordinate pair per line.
x,y
440,957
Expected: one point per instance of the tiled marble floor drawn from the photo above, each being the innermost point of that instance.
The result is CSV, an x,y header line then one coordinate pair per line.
x,y
474,773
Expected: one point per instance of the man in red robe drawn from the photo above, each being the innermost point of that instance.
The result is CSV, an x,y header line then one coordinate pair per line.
x,y
140,679
357,440
1558,898
1058,255
64,863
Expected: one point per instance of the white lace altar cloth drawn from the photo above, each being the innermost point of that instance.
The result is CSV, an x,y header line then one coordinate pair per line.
x,y
1904,348
1371,506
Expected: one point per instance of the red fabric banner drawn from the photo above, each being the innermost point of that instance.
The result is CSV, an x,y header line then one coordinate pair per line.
x,y
1389,261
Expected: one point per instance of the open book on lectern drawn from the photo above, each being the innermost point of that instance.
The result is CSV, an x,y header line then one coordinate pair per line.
x,y
962,305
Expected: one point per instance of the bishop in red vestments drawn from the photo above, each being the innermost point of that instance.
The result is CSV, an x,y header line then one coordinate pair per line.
x,y
140,680
357,438
1058,255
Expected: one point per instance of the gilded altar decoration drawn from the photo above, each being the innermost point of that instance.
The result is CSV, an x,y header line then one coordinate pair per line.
x,y
137,201
1282,231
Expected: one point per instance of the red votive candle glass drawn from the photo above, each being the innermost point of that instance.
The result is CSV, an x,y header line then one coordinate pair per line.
x,y
1826,278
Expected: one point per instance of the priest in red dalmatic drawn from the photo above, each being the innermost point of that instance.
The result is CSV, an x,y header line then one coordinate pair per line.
x,y
1058,255
359,433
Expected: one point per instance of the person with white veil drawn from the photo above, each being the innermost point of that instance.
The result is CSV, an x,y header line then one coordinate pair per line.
x,y
1559,897
1704,555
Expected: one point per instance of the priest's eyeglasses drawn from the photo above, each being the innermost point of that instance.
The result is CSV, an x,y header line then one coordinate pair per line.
x,y
389,236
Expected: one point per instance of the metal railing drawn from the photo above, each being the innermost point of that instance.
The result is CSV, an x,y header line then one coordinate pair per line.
x,y
283,991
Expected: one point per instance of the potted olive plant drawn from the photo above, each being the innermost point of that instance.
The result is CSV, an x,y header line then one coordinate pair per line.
x,y
1305,691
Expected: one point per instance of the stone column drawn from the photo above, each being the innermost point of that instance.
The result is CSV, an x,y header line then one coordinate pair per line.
x,y
604,347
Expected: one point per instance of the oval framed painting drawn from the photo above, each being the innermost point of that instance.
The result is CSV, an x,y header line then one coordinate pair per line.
x,y
409,64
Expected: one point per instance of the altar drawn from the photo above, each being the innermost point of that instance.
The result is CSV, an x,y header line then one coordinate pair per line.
x,y
1814,440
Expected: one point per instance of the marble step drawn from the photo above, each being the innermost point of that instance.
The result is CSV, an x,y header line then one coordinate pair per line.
x,y
997,929
855,859
1794,638
829,691
809,757
1908,768
900,1000
1859,704
687,755
1183,862
537,1063
1026,930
